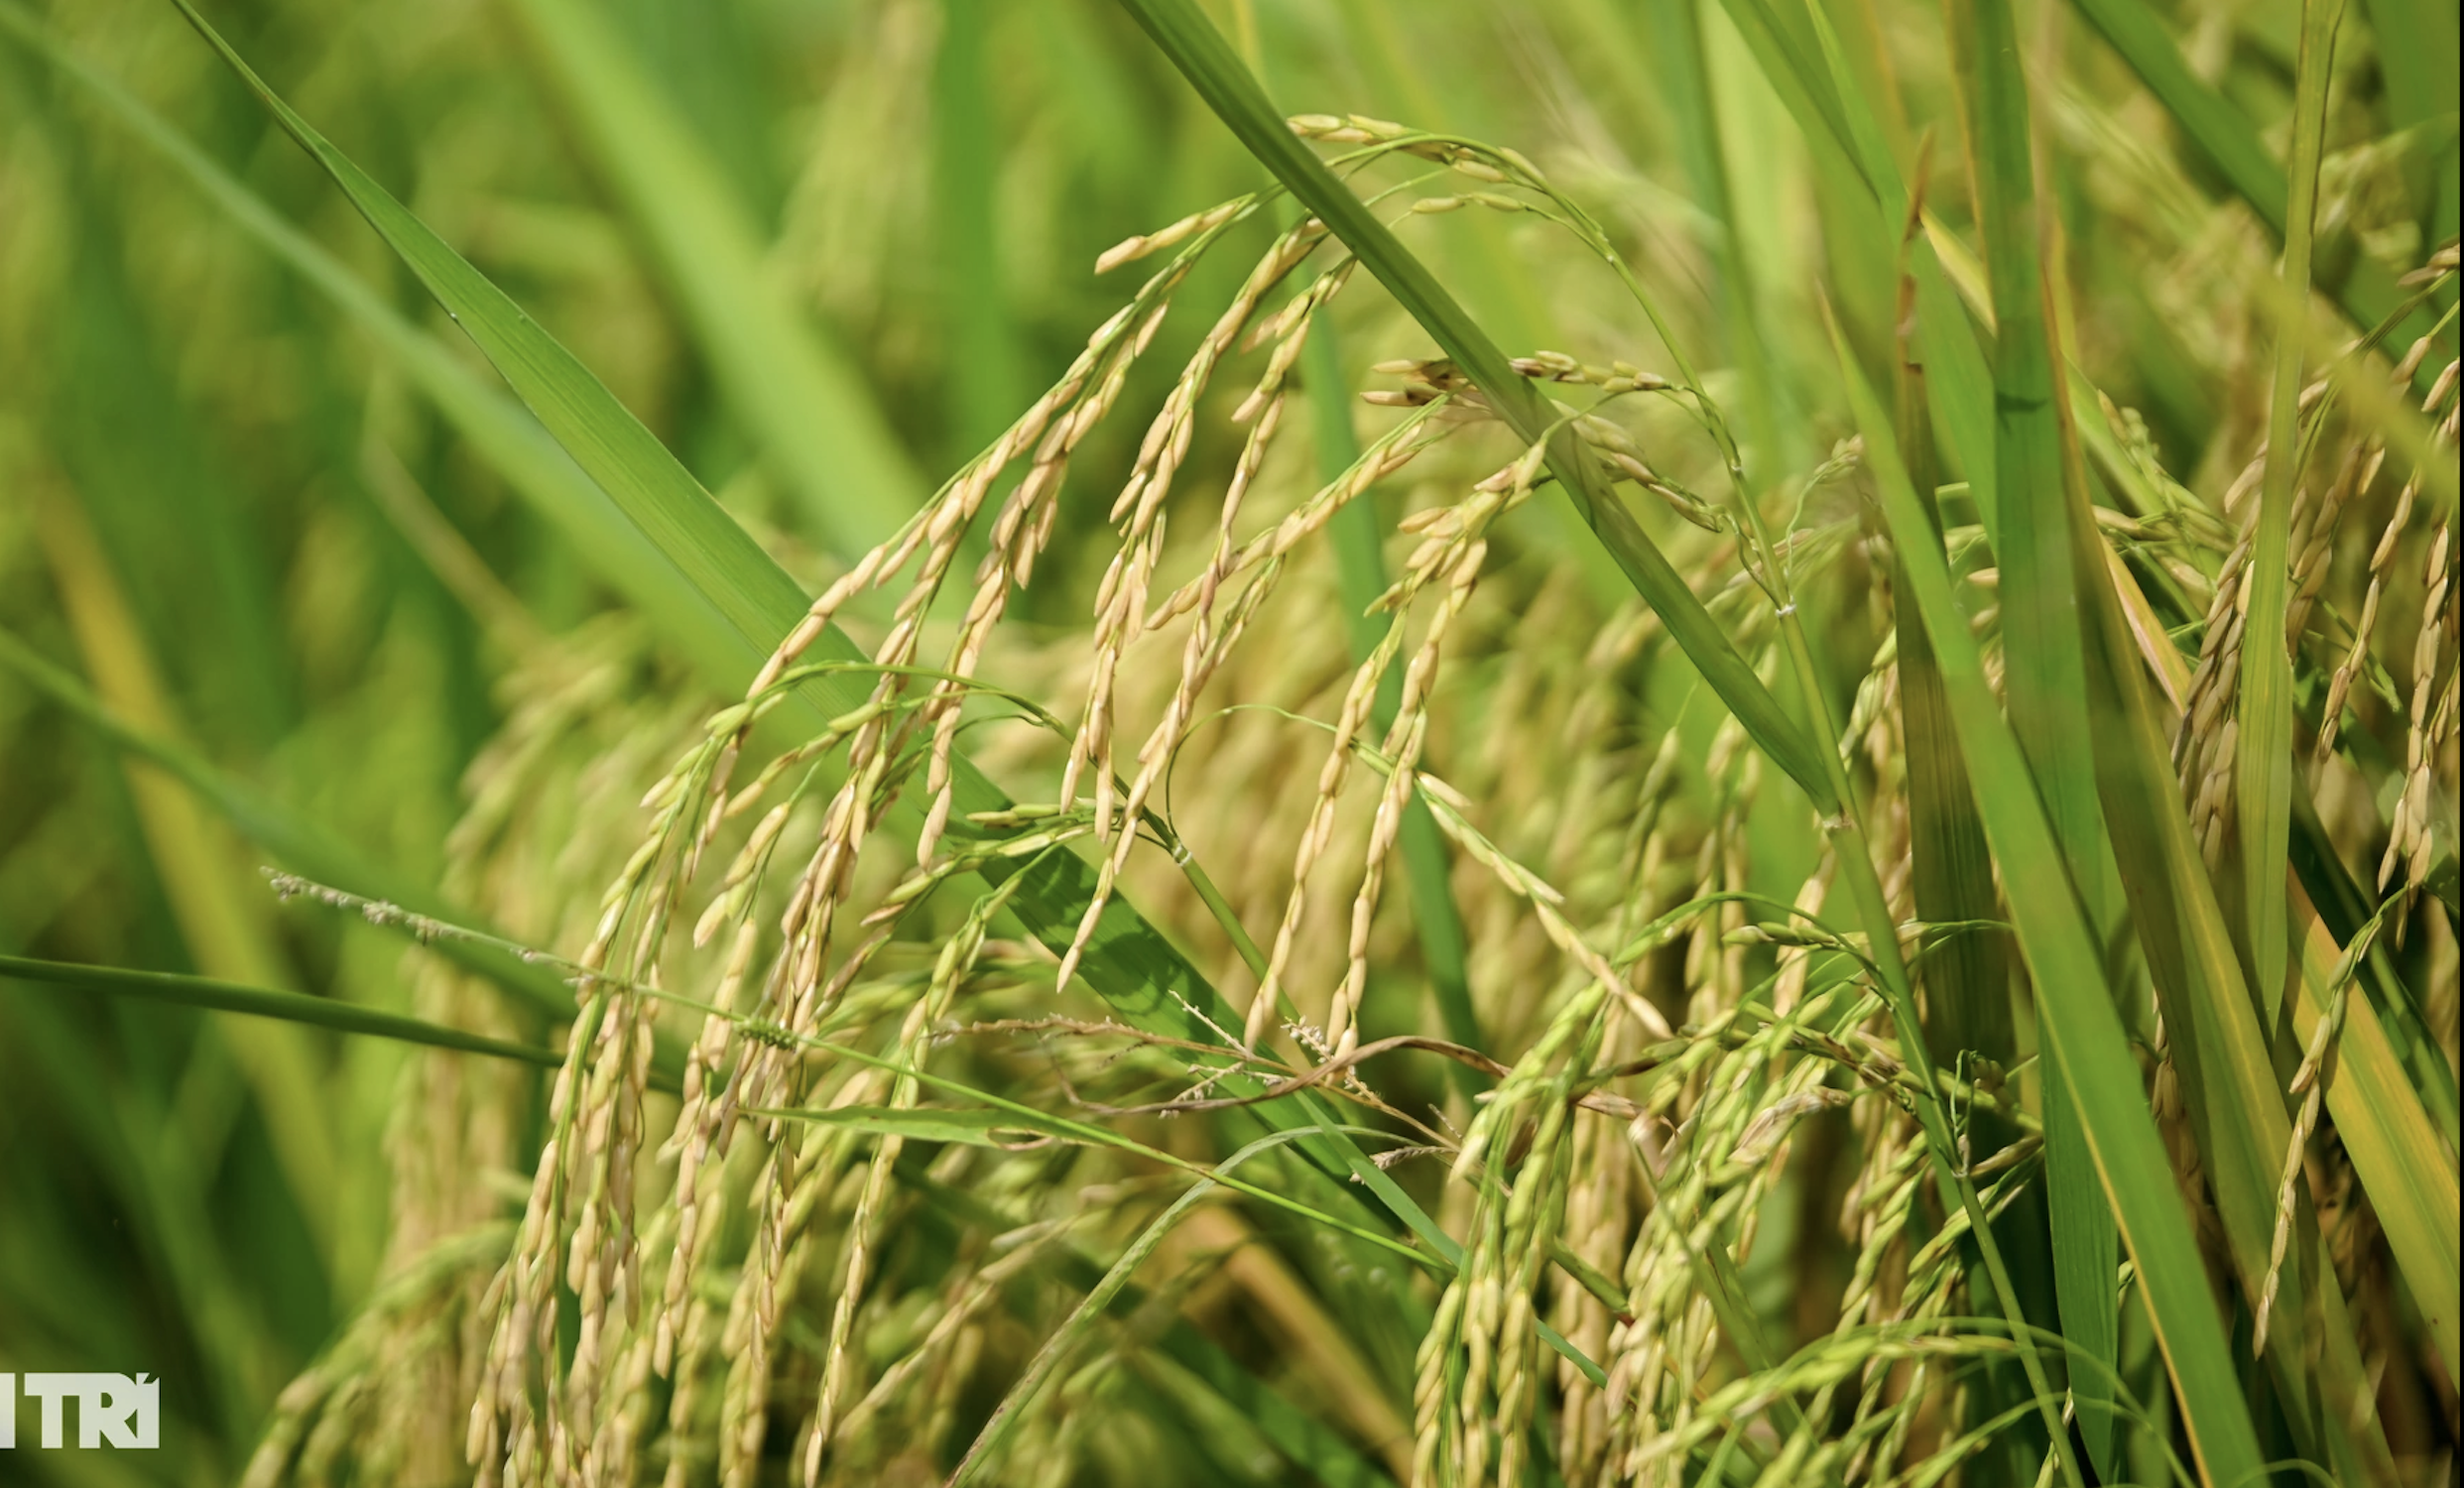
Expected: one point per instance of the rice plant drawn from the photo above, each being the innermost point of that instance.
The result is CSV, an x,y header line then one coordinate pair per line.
x,y
1231,742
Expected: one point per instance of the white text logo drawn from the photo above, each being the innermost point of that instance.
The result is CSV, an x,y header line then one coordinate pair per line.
x,y
113,1410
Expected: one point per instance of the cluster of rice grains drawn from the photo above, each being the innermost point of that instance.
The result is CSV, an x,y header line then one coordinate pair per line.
x,y
703,1288
2204,747
588,719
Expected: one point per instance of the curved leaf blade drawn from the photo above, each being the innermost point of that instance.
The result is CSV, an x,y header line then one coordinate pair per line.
x,y
264,1002
2079,1016
794,390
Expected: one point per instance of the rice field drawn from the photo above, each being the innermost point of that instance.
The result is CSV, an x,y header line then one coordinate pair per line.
x,y
1225,742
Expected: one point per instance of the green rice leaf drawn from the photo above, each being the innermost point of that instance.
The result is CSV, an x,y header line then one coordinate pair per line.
x,y
986,368
507,437
2078,1017
2220,131
2045,666
302,845
262,1002
1960,386
2263,754
1967,981
1685,79
795,392
715,556
2421,82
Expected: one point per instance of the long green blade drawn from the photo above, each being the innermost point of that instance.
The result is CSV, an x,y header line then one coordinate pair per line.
x,y
1951,876
503,434
2420,69
305,848
1784,43
1684,77
2219,130
2262,757
715,556
263,1002
2078,1013
986,365
2234,1094
1967,982
2388,1126
2044,666
796,393
2230,1086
